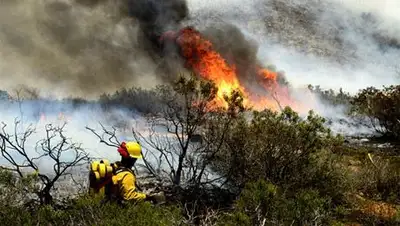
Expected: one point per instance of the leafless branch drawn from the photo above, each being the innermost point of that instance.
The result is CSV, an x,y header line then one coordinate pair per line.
x,y
274,96
108,137
61,151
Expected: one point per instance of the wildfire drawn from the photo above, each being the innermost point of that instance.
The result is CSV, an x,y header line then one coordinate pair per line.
x,y
209,64
42,117
61,117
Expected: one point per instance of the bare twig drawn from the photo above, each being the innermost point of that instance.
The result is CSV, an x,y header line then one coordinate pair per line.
x,y
13,147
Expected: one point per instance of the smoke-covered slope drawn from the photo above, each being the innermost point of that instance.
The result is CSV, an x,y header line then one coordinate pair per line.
x,y
88,47
327,43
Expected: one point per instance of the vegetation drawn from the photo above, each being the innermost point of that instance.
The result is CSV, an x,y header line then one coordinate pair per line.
x,y
286,150
137,99
219,166
58,151
89,211
263,203
382,108
331,97
3,95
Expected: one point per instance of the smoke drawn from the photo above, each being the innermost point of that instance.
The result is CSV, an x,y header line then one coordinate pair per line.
x,y
87,47
38,114
83,47
333,44
328,43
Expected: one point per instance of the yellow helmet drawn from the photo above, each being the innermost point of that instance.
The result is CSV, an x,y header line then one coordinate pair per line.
x,y
134,149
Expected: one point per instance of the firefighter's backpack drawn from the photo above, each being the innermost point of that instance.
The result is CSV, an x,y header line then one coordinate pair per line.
x,y
100,175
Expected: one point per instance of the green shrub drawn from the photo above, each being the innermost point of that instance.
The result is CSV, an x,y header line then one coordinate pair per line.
x,y
88,211
382,107
263,203
380,179
289,151
332,97
3,95
138,99
13,190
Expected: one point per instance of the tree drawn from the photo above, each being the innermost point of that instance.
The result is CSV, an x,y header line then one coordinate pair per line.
x,y
281,148
382,107
57,150
134,99
330,96
182,138
25,92
3,95
187,111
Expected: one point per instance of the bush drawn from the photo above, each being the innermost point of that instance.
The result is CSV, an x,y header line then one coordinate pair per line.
x,y
263,203
3,95
382,107
89,211
380,179
291,152
137,99
14,191
331,97
83,210
58,151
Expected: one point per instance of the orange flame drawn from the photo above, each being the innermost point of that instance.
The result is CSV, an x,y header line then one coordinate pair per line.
x,y
42,117
61,117
209,64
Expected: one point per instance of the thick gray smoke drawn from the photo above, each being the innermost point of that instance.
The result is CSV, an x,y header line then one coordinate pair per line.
x,y
82,47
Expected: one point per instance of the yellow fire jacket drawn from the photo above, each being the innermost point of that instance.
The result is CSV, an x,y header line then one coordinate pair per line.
x,y
125,186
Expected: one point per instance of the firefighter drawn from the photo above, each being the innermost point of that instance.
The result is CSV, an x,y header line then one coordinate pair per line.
x,y
123,185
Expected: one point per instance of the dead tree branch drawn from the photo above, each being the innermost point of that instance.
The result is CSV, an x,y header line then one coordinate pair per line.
x,y
58,151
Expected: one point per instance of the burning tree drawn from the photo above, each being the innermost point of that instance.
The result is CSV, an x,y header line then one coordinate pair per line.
x,y
57,150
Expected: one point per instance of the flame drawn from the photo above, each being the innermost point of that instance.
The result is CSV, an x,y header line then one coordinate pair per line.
x,y
60,117
42,117
209,64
